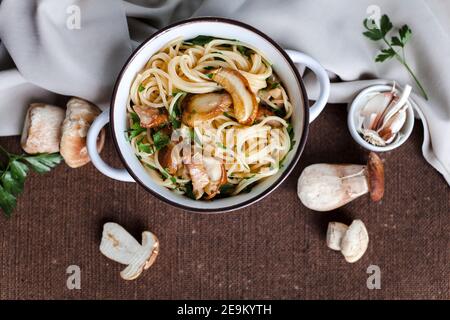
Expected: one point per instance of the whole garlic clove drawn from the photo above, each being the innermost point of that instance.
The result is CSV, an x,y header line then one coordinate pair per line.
x,y
355,241
118,245
325,187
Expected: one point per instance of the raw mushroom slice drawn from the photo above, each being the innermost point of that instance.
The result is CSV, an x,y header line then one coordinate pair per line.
x,y
118,245
264,112
199,178
151,117
207,176
217,176
202,107
168,159
244,100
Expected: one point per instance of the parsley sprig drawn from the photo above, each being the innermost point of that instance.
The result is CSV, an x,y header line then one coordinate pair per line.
x,y
13,174
377,32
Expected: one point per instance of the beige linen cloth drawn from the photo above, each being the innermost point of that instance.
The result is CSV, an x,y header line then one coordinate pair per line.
x,y
77,48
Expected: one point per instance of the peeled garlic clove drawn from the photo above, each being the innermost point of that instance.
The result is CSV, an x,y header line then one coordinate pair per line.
x,y
324,187
355,241
373,138
374,108
394,108
244,100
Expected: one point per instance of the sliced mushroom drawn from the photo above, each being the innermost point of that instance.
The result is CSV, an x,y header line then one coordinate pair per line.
x,y
202,107
207,177
264,112
168,160
118,245
151,117
199,178
217,176
244,100
324,187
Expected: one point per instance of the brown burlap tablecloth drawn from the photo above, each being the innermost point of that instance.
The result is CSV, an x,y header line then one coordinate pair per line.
x,y
274,249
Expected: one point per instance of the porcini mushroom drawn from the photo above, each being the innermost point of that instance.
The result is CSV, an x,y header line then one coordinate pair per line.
x,y
351,240
244,100
335,233
202,107
151,117
325,187
80,114
118,245
207,176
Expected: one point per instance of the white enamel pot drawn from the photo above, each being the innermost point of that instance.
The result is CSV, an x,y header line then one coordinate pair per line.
x,y
284,65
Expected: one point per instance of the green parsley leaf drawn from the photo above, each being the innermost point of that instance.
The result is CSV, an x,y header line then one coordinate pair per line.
x,y
385,54
141,88
12,178
189,190
245,51
160,140
405,34
10,184
201,40
227,189
18,170
7,202
43,163
209,68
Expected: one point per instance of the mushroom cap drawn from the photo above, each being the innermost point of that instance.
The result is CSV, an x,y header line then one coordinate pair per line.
x,y
375,172
355,241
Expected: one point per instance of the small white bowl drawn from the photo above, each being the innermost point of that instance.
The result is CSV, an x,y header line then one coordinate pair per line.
x,y
353,114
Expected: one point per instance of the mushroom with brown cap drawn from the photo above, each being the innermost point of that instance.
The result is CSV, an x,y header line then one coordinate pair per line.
x,y
325,187
118,245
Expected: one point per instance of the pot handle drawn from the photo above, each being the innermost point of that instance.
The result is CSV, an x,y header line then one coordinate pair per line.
x,y
97,161
322,77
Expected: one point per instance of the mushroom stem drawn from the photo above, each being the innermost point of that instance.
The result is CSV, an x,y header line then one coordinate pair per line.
x,y
324,187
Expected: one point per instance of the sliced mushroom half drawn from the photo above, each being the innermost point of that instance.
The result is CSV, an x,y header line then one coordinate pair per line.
x,y
207,177
244,100
203,107
151,117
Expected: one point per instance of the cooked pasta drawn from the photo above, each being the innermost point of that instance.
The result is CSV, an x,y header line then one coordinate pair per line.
x,y
209,118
